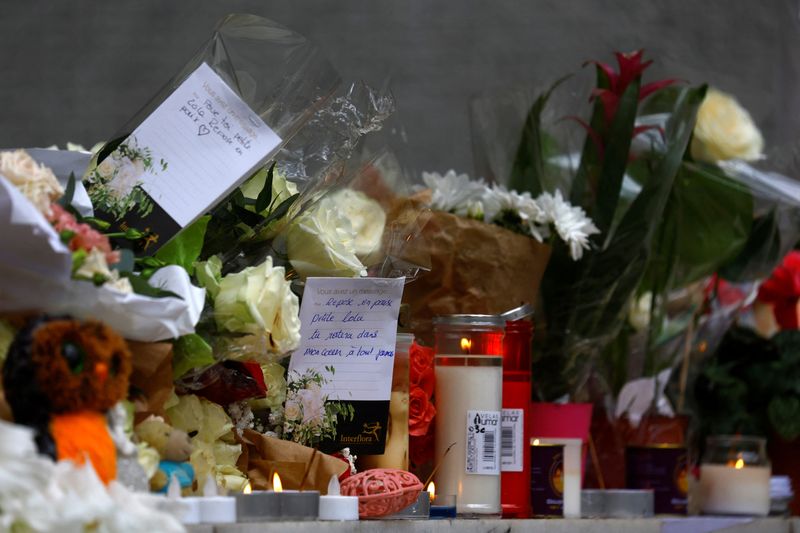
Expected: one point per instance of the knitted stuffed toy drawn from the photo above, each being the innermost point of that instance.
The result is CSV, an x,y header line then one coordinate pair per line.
x,y
60,377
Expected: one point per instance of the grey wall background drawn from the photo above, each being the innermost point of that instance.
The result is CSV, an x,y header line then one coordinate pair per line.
x,y
77,70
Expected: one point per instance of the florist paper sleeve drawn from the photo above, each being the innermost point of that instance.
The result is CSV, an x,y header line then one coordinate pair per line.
x,y
266,455
476,268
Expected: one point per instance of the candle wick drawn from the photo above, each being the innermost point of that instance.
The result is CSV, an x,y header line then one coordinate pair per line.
x,y
438,465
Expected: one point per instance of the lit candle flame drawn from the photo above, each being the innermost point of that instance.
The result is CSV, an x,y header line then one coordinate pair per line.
x,y
247,489
739,464
432,490
466,344
276,483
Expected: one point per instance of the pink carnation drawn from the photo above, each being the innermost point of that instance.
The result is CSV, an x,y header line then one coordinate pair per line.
x,y
85,237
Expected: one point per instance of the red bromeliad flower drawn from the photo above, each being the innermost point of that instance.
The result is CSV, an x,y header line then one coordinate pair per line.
x,y
782,290
631,67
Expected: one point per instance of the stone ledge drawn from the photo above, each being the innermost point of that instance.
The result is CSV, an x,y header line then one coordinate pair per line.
x,y
647,525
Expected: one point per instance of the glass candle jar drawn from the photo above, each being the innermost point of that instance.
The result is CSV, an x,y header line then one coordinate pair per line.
x,y
395,455
514,461
469,383
734,476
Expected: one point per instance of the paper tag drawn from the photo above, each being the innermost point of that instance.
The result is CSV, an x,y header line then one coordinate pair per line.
x,y
512,430
483,442
188,154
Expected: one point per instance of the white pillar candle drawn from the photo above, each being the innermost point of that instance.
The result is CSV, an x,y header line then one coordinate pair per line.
x,y
573,458
729,490
334,506
460,388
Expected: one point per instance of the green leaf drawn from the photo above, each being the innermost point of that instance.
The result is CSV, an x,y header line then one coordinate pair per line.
x,y
280,211
140,286
615,159
581,193
66,199
189,352
707,222
184,249
760,254
784,415
265,196
613,274
527,171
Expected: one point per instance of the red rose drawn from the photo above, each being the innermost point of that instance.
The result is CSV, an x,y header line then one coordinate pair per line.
x,y
420,449
421,368
782,290
420,412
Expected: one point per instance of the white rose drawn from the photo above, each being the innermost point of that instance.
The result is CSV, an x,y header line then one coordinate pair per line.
x,y
292,411
281,188
321,242
126,178
366,217
36,182
260,298
106,169
725,130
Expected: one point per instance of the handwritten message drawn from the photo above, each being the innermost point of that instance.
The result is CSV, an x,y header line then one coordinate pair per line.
x,y
209,140
350,324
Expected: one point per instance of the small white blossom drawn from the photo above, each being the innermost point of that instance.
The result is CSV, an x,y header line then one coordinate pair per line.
x,y
571,222
453,192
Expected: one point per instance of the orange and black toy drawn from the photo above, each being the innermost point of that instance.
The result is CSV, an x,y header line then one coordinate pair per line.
x,y
60,377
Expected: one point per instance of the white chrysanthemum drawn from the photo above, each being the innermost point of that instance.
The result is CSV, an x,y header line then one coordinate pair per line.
x,y
453,192
498,199
571,222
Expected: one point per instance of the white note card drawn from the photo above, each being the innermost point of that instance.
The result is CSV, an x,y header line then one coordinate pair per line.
x,y
203,140
350,324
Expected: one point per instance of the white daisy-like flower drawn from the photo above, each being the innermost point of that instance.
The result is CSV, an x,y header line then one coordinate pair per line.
x,y
453,192
497,200
571,222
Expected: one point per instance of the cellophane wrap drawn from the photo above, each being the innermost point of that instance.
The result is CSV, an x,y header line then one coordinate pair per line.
x,y
735,218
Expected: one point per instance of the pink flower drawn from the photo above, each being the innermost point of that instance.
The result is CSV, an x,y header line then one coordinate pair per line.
x,y
420,412
84,236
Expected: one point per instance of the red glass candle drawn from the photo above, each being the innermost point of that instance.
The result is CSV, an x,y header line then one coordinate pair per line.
x,y
515,461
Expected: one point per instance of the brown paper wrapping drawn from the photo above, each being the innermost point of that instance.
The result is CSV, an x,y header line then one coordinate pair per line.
x,y
476,268
262,456
151,377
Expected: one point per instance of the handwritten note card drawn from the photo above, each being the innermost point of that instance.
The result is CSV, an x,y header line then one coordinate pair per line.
x,y
350,324
209,138
188,154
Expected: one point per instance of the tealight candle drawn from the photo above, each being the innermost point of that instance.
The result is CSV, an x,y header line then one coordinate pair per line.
x,y
190,506
215,509
257,506
334,506
277,504
443,506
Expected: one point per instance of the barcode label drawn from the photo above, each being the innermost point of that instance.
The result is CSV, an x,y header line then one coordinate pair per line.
x,y
512,429
483,437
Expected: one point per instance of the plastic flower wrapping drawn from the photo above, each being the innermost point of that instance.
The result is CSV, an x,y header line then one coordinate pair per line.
x,y
692,211
214,311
